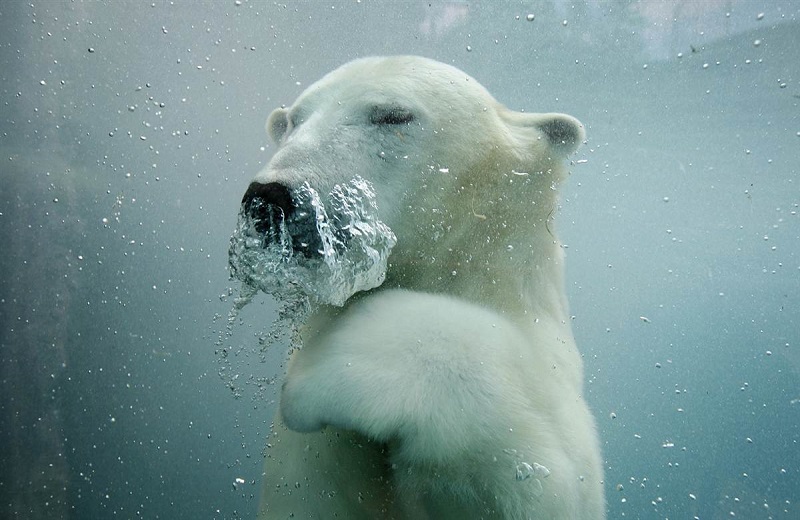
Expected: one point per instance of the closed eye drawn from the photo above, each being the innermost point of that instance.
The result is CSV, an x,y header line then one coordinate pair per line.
x,y
390,115
296,118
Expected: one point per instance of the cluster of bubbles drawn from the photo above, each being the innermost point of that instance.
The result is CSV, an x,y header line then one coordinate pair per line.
x,y
354,247
525,471
353,256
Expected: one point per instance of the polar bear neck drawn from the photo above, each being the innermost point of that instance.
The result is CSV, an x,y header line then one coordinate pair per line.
x,y
510,275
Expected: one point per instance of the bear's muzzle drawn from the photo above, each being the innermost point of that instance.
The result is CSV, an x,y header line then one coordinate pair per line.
x,y
271,206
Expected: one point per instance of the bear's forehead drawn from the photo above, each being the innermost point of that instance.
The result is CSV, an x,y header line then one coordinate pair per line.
x,y
404,79
412,67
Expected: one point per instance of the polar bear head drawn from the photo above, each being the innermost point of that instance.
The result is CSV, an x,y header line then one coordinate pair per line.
x,y
457,177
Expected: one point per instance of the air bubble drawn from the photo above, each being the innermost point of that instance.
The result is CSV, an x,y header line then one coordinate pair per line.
x,y
525,471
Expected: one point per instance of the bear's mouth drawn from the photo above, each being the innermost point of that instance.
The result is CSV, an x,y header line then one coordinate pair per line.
x,y
288,242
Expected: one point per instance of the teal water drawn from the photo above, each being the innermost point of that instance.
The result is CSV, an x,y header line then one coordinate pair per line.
x,y
129,133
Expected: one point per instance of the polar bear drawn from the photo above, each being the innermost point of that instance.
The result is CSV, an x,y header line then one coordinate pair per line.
x,y
455,388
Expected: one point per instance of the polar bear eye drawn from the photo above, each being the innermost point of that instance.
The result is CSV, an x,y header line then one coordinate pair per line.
x,y
390,115
296,119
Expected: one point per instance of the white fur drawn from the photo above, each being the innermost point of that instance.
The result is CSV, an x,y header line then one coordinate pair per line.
x,y
452,390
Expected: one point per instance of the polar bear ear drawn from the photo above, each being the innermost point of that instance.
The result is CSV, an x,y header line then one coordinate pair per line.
x,y
563,133
277,123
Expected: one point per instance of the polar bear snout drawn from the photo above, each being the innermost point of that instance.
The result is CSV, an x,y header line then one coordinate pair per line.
x,y
261,199
268,205
275,212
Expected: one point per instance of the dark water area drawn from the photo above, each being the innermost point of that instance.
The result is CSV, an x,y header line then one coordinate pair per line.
x,y
129,132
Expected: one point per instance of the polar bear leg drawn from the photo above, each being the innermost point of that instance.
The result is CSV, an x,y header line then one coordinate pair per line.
x,y
402,364
440,381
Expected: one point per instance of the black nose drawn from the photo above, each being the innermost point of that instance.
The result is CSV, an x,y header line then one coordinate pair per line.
x,y
261,201
273,211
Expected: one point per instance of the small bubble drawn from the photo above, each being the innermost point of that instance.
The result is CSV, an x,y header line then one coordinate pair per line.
x,y
540,471
469,48
757,43
91,49
524,471
760,16
530,17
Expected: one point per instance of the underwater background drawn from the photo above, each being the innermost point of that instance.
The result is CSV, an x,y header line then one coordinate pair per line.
x,y
130,130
